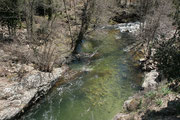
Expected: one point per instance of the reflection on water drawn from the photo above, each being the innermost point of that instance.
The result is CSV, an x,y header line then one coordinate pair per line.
x,y
97,94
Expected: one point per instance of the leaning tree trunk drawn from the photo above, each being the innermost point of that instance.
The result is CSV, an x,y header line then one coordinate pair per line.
x,y
86,18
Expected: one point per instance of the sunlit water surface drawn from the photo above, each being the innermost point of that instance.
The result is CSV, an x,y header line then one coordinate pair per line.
x,y
99,93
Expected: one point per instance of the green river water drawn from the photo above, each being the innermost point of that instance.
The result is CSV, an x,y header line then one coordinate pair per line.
x,y
99,93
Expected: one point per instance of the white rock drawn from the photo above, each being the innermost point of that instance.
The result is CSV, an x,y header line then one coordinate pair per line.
x,y
121,116
142,60
150,80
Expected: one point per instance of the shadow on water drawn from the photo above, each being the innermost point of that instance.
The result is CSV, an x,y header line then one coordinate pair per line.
x,y
99,93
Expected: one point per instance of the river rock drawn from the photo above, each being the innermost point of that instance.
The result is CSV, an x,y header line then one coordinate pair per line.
x,y
2,72
131,104
121,116
150,80
142,60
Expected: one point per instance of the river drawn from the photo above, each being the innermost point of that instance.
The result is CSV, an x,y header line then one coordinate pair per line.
x,y
98,94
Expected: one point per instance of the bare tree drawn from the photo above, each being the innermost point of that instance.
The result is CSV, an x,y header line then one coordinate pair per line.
x,y
29,14
69,24
86,18
154,21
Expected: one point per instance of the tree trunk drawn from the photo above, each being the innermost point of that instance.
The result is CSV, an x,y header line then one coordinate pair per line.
x,y
86,18
64,1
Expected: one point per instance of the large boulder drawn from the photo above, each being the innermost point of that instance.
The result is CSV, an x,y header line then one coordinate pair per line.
x,y
150,80
132,104
15,97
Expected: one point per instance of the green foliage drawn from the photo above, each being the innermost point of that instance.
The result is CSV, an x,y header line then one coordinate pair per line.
x,y
168,53
44,7
140,103
10,14
168,58
177,13
150,94
165,91
159,102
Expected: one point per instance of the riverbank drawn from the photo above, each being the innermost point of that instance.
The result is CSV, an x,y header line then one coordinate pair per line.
x,y
159,104
31,67
17,97
157,100
23,76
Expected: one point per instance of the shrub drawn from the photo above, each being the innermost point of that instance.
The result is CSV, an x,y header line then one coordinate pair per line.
x,y
159,102
165,91
168,58
168,53
151,94
45,57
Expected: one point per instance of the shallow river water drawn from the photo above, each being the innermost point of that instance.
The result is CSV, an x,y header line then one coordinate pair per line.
x,y
99,93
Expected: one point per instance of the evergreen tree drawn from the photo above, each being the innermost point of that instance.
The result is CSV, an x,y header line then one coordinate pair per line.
x,y
10,14
168,54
